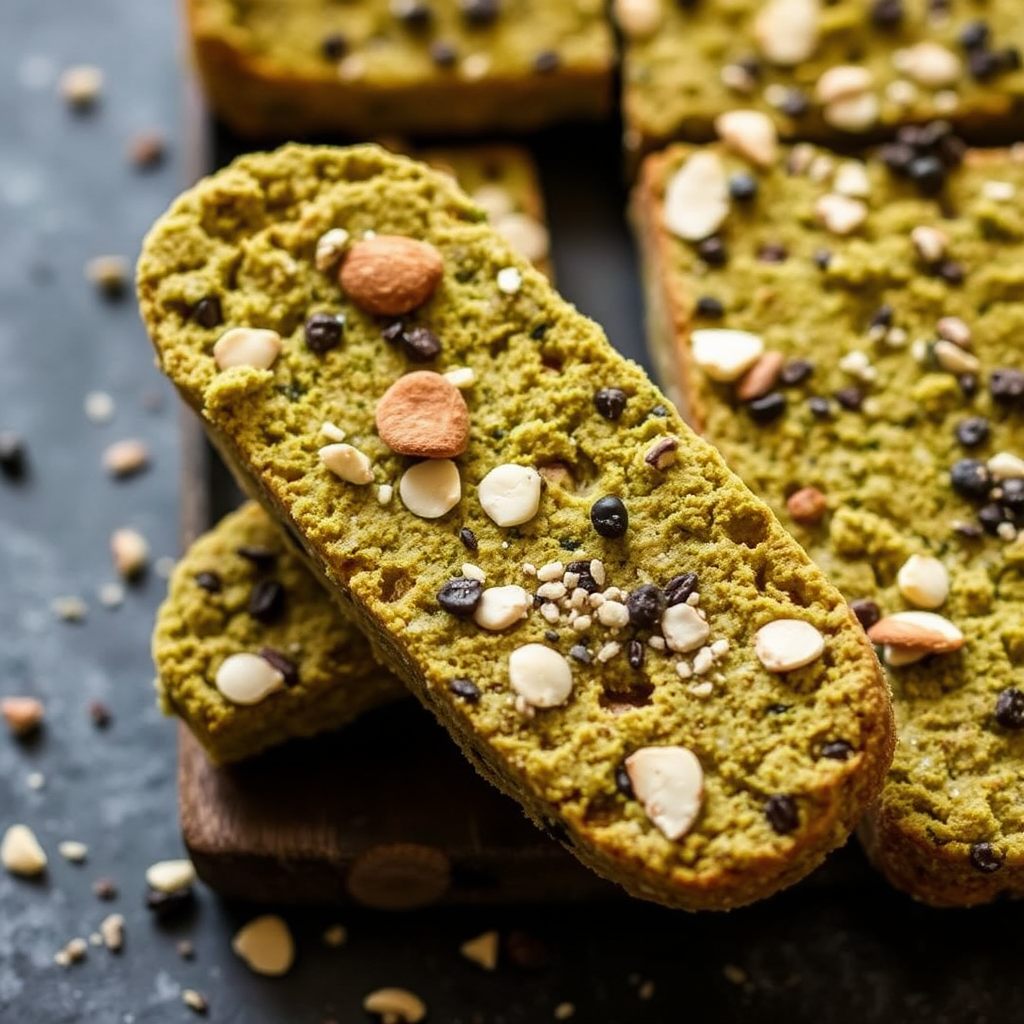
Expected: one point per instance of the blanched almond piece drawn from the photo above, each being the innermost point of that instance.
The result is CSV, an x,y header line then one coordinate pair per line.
x,y
347,462
696,197
395,1006
924,581
669,783
540,675
389,275
725,354
751,134
510,494
787,30
788,644
247,346
431,488
923,630
424,415
683,628
171,875
247,678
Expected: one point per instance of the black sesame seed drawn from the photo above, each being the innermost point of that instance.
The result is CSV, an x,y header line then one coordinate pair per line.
x,y
776,709
443,54
822,259
1010,708
207,312
887,13
466,689
660,411
208,581
610,402
13,456
546,61
985,858
952,272
974,34
795,371
928,173
283,664
266,601
609,516
415,14
970,478
768,407
480,12
166,905
460,596
623,783
645,605
866,611
635,655
579,653
710,308
882,317
468,538
837,750
782,814
742,186
794,103
850,398
712,251
538,332
821,408
1006,386
334,46
323,332
262,558
773,252
551,636
991,517
421,345
972,431
679,588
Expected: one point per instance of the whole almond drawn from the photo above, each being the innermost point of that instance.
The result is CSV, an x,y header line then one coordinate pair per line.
x,y
389,275
425,415
761,377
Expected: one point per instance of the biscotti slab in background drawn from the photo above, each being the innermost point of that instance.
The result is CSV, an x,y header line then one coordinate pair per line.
x,y
613,628
850,339
286,70
826,71
249,652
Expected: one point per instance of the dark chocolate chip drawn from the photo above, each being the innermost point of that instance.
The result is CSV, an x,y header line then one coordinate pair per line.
x,y
421,345
928,173
645,605
262,557
991,517
1010,708
393,332
882,317
546,61
972,431
984,65
415,14
795,371
679,588
610,402
609,516
333,46
266,602
969,384
866,611
468,538
100,714
623,783
466,689
460,596
443,54
208,581
794,103
850,398
822,258
166,905
974,34
952,272
635,655
970,478
1006,386
323,332
713,252
782,814
1013,497
985,858
837,750
480,12
773,252
586,580
207,312
821,408
768,407
887,13
579,653
105,889
551,636
742,186
13,456
283,664
710,308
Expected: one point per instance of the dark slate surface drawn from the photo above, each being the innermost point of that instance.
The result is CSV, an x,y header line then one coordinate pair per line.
x,y
842,948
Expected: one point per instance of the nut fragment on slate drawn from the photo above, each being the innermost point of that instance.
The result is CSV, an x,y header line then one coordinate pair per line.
x,y
669,783
423,414
924,581
347,462
510,494
170,875
395,1006
73,851
683,628
725,354
245,678
788,644
540,675
482,950
431,488
265,945
749,133
501,607
389,275
20,852
399,876
81,85
23,715
247,346
108,274
696,198
194,1000
112,930
130,552
126,458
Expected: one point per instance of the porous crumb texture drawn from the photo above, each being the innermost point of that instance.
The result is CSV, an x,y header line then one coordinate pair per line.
x,y
206,619
895,427
773,804
422,66
913,60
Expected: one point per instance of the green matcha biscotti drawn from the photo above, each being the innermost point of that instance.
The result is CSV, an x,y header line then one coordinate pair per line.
x,y
613,628
852,345
249,650
365,67
824,70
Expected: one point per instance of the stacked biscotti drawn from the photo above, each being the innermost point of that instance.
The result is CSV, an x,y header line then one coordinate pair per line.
x,y
614,629
847,332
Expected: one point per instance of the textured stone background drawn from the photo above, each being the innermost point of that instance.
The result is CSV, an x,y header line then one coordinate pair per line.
x,y
839,948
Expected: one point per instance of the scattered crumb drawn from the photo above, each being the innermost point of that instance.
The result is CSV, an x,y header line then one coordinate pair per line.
x,y
20,852
100,714
186,950
73,953
111,595
35,780
112,930
69,608
126,458
109,275
73,851
105,888
23,715
563,1011
99,407
147,149
335,935
130,552
81,86
194,1000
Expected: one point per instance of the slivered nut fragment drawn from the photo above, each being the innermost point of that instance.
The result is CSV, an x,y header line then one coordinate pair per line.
x,y
929,64
389,275
20,852
130,552
395,1006
725,354
843,82
852,114
23,715
247,678
788,644
751,134
696,198
761,377
540,675
347,462
112,930
510,494
954,359
423,414
1005,466
247,346
265,945
924,581
952,328
669,783
431,488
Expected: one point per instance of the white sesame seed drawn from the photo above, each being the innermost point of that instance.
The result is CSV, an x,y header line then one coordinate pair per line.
x,y
553,591
684,669
656,643
461,376
385,492
582,623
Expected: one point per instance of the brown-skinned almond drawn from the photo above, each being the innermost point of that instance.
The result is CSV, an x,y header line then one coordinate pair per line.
x,y
425,415
924,631
390,275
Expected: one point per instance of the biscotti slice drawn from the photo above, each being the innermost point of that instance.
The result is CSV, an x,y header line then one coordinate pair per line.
x,y
366,67
250,652
880,411
614,629
824,71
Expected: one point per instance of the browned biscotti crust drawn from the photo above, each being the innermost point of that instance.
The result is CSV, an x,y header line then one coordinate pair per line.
x,y
938,862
